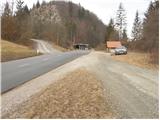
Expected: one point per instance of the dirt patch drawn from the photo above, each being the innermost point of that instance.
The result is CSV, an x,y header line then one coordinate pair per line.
x,y
138,59
12,51
78,95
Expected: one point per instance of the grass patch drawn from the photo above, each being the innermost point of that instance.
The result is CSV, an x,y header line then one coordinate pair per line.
x,y
78,95
138,59
12,51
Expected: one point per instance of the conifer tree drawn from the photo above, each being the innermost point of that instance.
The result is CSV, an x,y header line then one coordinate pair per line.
x,y
137,28
121,20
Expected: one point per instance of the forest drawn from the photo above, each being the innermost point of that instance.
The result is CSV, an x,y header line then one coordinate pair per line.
x,y
66,23
63,23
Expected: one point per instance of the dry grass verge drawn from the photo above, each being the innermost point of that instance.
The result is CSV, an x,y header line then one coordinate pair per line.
x,y
59,48
78,95
12,51
138,59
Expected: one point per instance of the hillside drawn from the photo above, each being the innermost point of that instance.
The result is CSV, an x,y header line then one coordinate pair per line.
x,y
63,23
12,51
66,23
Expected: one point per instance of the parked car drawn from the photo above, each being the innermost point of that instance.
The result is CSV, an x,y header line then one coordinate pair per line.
x,y
121,50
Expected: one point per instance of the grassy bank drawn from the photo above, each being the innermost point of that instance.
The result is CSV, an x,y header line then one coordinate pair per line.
x,y
139,59
12,51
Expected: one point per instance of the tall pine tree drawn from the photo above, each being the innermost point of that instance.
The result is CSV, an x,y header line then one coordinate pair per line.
x,y
121,20
37,4
111,33
137,28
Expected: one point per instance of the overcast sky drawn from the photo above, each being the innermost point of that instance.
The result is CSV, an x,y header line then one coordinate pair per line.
x,y
106,9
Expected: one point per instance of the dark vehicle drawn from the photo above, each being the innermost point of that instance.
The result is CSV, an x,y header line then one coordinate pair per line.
x,y
121,50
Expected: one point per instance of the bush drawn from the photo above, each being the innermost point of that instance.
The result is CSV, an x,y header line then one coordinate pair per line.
x,y
154,56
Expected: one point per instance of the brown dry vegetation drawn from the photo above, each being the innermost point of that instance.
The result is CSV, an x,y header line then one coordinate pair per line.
x,y
60,48
78,95
101,47
149,40
12,51
139,59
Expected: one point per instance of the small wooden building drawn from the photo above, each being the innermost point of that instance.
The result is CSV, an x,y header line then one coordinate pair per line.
x,y
81,46
111,45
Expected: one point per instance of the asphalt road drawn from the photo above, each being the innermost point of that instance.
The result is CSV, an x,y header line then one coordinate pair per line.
x,y
18,72
131,92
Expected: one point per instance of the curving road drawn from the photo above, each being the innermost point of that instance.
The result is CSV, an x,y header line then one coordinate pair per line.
x,y
44,47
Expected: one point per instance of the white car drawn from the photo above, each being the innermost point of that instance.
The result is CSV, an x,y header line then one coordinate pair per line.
x,y
121,50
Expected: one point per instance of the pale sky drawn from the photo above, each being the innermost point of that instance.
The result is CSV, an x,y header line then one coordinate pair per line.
x,y
106,9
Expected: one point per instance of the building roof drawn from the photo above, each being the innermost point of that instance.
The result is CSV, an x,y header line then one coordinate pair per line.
x,y
113,44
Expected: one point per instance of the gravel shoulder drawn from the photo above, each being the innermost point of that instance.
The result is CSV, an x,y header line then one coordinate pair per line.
x,y
132,92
